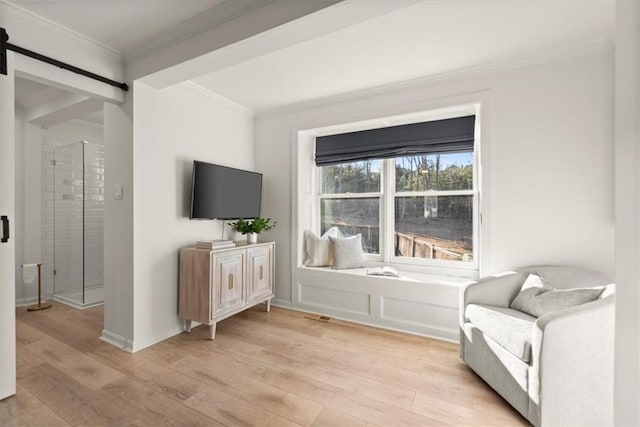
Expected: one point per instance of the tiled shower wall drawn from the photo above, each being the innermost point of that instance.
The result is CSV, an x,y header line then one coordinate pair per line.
x,y
63,229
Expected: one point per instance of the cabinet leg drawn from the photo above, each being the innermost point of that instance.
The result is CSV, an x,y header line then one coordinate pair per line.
x,y
187,325
268,305
212,331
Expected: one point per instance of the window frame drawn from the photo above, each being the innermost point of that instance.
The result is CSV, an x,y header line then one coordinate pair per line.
x,y
305,128
390,214
320,196
386,220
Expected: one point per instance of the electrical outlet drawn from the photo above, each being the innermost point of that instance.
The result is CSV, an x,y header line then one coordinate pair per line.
x,y
117,192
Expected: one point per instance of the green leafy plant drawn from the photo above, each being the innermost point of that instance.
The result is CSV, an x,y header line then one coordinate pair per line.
x,y
258,225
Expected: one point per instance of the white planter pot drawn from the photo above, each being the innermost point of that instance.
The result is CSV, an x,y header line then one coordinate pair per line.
x,y
252,237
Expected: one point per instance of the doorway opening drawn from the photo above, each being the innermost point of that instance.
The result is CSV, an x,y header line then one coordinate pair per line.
x,y
59,195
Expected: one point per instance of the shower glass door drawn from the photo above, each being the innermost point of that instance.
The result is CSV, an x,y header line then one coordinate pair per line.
x,y
78,212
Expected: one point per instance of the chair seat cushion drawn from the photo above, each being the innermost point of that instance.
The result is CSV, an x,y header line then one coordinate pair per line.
x,y
512,329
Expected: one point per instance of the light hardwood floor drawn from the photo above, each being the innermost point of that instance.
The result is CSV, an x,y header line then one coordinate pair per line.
x,y
266,369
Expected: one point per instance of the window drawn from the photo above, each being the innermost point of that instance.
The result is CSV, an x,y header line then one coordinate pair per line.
x,y
420,208
350,199
433,206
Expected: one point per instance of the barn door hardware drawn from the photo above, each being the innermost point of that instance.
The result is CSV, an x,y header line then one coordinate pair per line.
x,y
5,229
5,46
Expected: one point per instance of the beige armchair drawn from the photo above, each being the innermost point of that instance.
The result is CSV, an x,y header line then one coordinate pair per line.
x,y
556,369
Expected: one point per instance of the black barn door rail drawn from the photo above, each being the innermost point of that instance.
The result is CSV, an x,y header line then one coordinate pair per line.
x,y
5,45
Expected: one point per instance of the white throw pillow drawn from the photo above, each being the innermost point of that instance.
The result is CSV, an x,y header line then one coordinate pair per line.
x,y
347,252
317,250
538,298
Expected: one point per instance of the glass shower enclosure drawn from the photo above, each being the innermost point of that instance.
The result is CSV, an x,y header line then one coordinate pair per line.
x,y
78,218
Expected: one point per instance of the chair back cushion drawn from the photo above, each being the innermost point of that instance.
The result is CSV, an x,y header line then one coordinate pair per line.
x,y
538,298
561,277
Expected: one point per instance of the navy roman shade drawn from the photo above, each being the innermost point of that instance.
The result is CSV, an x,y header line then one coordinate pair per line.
x,y
440,136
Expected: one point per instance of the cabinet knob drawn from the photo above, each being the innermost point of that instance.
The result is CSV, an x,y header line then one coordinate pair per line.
x,y
230,281
261,272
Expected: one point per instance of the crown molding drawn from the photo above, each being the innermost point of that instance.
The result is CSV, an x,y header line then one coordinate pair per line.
x,y
13,9
207,20
219,98
515,62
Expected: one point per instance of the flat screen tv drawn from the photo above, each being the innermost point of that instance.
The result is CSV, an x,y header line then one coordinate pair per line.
x,y
220,192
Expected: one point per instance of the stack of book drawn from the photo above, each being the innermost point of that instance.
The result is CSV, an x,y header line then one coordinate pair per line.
x,y
215,244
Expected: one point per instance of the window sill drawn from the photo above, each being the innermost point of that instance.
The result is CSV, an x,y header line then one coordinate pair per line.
x,y
406,276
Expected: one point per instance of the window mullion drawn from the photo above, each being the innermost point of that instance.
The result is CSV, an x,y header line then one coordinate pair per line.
x,y
435,193
316,219
387,217
349,195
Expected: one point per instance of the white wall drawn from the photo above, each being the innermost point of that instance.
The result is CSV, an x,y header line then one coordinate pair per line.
x,y
28,204
172,128
118,226
627,191
19,201
552,165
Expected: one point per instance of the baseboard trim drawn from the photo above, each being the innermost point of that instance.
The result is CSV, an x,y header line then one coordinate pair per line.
x,y
117,341
443,337
29,301
280,303
141,344
133,346
26,301
7,392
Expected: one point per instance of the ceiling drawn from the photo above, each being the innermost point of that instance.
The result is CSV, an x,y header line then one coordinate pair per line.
x,y
30,94
420,39
120,24
425,39
26,89
97,117
47,105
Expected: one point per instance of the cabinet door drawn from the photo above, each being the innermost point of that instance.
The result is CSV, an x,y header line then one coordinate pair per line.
x,y
228,282
259,272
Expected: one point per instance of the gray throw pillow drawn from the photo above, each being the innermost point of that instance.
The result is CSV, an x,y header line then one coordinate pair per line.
x,y
538,298
347,252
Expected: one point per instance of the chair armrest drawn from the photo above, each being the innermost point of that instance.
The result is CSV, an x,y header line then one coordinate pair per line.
x,y
491,290
572,365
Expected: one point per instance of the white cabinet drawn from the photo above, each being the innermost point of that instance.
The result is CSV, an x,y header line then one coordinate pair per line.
x,y
220,283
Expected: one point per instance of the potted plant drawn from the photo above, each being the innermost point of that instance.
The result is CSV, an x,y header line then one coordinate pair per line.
x,y
253,228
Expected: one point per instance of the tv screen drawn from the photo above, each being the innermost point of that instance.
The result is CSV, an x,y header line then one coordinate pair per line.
x,y
220,192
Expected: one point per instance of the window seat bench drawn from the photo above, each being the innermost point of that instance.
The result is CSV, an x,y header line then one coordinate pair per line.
x,y
416,303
